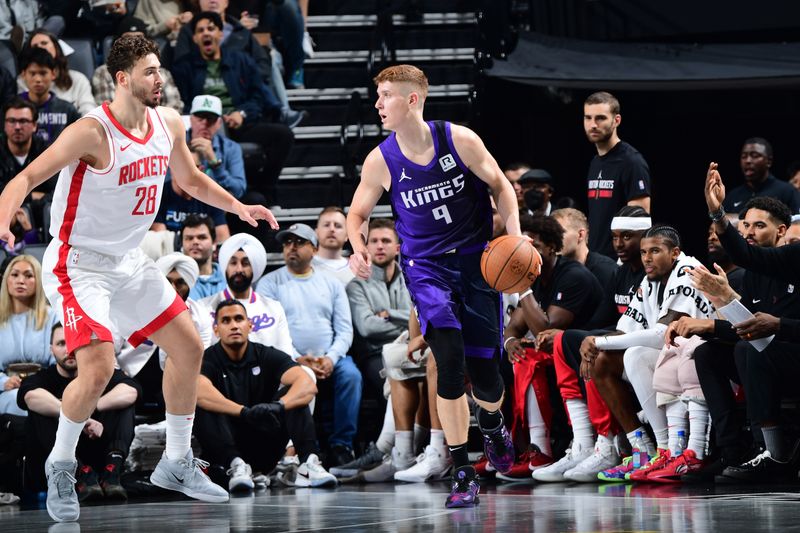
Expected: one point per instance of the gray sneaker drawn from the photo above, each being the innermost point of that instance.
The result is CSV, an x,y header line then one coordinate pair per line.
x,y
62,498
186,475
371,458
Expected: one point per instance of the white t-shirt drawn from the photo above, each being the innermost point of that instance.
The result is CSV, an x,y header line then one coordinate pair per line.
x,y
338,268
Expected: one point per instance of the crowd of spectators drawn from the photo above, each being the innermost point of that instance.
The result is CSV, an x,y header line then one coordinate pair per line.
x,y
640,341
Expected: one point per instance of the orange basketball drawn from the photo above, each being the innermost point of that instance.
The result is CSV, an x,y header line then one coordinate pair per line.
x,y
510,264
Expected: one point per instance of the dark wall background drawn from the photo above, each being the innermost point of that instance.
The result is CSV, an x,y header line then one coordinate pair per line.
x,y
678,133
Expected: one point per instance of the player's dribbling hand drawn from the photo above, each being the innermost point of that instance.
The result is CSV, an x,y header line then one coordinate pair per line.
x,y
361,264
253,213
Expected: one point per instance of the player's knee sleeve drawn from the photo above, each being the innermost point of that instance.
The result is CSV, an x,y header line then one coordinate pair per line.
x,y
447,346
484,375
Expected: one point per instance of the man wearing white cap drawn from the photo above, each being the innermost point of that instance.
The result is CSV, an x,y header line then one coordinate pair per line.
x,y
244,259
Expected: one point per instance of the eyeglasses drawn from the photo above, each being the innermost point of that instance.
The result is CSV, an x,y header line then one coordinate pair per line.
x,y
297,241
20,121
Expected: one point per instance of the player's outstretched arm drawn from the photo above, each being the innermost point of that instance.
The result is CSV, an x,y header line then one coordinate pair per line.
x,y
374,180
201,186
81,140
474,154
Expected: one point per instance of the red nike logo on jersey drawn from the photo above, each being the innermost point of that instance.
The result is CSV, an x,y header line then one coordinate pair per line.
x,y
123,148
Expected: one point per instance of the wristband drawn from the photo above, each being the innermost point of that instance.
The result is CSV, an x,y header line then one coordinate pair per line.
x,y
505,344
525,294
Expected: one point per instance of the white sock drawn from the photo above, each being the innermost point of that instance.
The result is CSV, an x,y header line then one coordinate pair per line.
x,y
537,429
179,435
67,436
437,440
385,441
582,430
676,421
404,443
422,436
648,444
698,425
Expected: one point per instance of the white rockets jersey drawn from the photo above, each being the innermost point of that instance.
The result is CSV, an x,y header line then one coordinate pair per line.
x,y
109,210
679,295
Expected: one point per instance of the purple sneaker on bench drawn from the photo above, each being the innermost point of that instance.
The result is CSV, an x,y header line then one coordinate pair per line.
x,y
465,488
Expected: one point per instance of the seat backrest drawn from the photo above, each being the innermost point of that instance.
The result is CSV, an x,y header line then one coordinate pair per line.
x,y
8,60
36,250
82,59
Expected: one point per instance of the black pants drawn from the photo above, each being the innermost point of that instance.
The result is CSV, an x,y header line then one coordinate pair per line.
x,y
768,376
117,437
276,141
224,438
716,368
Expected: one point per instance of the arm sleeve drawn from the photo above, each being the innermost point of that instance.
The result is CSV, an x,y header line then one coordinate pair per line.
x,y
782,262
366,322
652,338
342,323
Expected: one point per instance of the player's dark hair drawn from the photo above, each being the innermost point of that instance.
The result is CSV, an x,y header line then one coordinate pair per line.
x,y
778,212
228,303
127,50
207,15
36,56
194,220
763,142
603,97
632,211
548,230
667,233
19,103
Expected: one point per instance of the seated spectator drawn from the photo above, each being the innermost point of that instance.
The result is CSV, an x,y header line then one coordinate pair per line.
x,y
565,295
107,434
792,234
163,18
244,259
25,324
284,22
70,85
513,172
537,189
247,109
755,161
379,305
322,329
177,204
19,18
38,69
332,237
19,144
103,85
198,235
251,399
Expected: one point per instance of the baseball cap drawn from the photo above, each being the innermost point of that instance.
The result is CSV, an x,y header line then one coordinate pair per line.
x,y
536,175
303,231
206,103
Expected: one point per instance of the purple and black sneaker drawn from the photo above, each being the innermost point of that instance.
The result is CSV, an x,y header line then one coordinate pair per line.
x,y
465,489
499,449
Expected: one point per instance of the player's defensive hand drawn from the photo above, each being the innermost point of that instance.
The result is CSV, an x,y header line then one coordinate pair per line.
x,y
253,213
263,415
361,264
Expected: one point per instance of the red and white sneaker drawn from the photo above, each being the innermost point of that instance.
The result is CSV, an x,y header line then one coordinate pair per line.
x,y
532,459
671,472
656,462
483,468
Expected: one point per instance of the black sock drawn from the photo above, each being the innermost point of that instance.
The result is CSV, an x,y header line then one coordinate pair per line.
x,y
459,455
489,421
115,458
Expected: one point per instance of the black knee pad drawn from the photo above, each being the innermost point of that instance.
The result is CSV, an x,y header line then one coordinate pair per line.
x,y
447,346
484,374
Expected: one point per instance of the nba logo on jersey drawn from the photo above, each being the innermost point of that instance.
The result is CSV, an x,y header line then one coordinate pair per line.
x,y
641,184
447,162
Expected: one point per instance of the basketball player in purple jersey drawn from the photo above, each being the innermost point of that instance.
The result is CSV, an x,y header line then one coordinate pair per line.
x,y
439,176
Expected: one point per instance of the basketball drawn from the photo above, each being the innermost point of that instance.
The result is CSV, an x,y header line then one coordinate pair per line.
x,y
510,264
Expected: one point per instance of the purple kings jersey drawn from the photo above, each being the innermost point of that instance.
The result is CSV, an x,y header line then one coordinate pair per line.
x,y
440,207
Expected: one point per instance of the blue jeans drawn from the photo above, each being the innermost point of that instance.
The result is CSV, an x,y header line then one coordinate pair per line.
x,y
285,22
347,388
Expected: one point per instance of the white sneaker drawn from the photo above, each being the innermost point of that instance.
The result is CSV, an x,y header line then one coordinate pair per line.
x,y
308,45
431,464
312,474
241,476
555,472
605,456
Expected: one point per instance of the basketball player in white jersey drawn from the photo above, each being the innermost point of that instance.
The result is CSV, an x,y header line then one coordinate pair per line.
x,y
114,161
